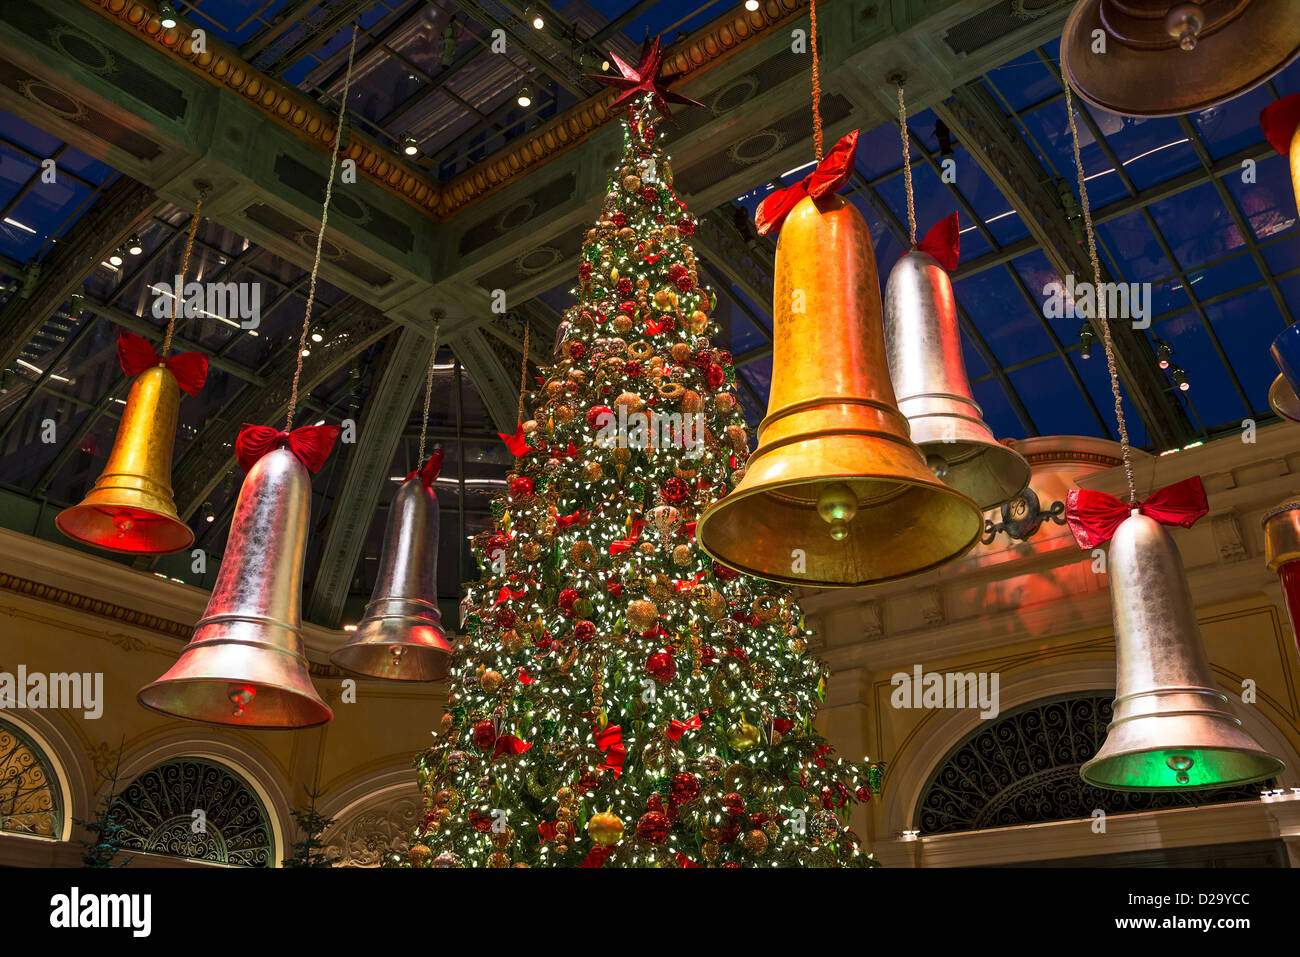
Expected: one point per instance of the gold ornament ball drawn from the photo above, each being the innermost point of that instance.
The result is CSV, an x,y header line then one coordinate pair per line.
x,y
448,797
520,864
605,828
622,323
699,321
564,813
530,426
501,839
499,859
642,614
669,233
419,855
631,183
564,413
591,472
646,548
565,795
490,681
627,234
531,551
629,401
692,401
744,736
663,299
680,352
756,842
683,555
709,850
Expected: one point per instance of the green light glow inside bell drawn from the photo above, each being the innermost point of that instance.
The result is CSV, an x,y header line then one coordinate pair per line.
x,y
1192,769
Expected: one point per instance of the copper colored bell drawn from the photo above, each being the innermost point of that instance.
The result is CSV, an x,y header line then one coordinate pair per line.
x,y
923,343
836,493
1165,59
1172,729
400,636
1282,553
245,664
130,508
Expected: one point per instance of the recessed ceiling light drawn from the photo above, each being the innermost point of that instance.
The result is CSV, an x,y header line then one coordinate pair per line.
x,y
167,15
751,5
115,258
525,97
134,246
410,146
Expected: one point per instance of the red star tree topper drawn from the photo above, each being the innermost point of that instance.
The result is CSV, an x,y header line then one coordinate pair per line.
x,y
645,78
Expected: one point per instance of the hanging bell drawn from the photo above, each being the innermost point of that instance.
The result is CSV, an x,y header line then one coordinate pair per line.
x,y
1156,58
400,635
835,493
130,507
1171,729
923,344
1280,121
1282,553
245,665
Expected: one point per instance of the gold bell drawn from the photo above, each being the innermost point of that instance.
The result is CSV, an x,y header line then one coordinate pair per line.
x,y
929,377
130,508
835,493
400,636
1171,728
245,665
1156,58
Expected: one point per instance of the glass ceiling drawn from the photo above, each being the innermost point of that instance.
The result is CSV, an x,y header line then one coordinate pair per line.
x,y
1222,257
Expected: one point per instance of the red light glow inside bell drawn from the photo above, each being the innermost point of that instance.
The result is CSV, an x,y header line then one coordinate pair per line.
x,y
240,696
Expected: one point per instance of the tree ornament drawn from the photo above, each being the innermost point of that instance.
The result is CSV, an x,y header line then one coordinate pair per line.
x,y
642,615
652,827
447,859
605,828
755,842
684,788
743,736
661,667
419,855
490,681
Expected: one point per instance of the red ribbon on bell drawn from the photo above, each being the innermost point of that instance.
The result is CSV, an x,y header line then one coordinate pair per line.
x,y
943,242
1278,120
1094,516
830,175
136,354
311,444
429,472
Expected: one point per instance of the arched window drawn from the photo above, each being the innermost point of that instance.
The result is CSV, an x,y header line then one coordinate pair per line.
x,y
30,799
158,811
1023,768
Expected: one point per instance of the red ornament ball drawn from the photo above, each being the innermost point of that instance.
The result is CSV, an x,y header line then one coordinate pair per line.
x,y
675,491
733,804
685,284
596,416
715,376
863,794
677,271
577,351
684,788
584,271
686,227
568,598
485,735
661,667
632,369
619,219
708,656
649,195
653,827
625,287
522,487
584,631
504,618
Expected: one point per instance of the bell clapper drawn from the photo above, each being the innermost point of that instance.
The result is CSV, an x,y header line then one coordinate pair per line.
x,y
837,505
1180,763
937,464
397,651
1184,22
124,525
240,697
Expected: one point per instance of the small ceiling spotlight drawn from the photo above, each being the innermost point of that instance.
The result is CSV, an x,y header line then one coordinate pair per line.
x,y
1086,339
305,352
116,257
1163,353
209,515
167,15
410,145
751,5
534,17
1180,378
316,336
525,97
134,246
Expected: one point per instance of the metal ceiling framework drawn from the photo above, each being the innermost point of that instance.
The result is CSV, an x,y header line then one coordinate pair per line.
x,y
162,117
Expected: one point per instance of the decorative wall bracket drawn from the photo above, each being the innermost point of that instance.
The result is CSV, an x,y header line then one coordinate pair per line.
x,y
1022,517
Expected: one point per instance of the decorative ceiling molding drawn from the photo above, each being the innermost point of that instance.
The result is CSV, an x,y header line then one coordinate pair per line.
x,y
290,108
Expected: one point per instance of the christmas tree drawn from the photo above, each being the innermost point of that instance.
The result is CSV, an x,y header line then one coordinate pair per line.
x,y
620,699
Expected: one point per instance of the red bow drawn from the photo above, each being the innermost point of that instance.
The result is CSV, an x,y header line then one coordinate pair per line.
x,y
525,678
678,728
505,594
611,742
831,174
943,242
653,328
1094,516
623,544
311,444
1279,120
509,744
136,354
684,861
429,473
516,443
597,856
686,584
689,529
564,521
